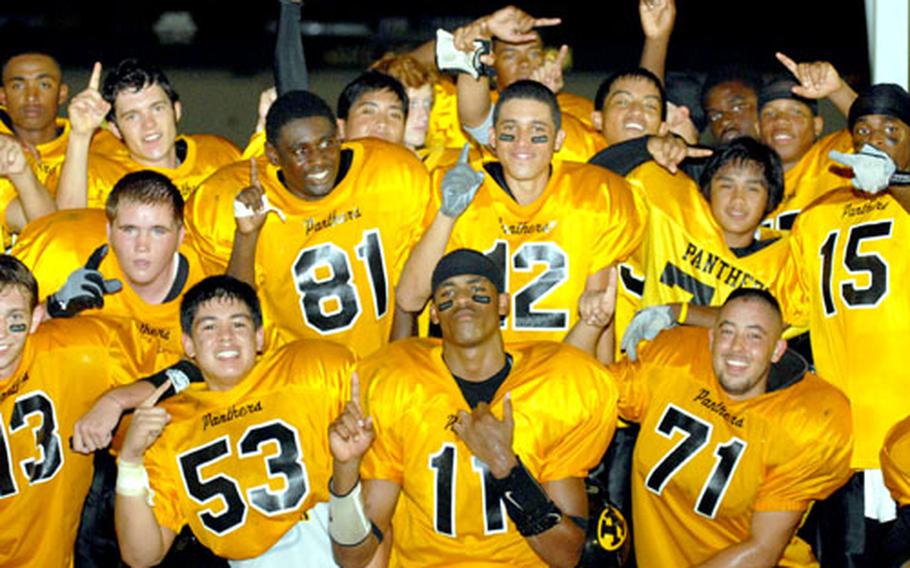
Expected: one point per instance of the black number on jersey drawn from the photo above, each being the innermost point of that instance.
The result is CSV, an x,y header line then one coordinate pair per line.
x,y
523,260
872,264
674,276
316,293
287,463
696,435
47,440
443,464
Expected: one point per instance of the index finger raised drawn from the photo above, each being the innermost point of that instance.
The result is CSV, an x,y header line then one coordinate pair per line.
x,y
791,65
254,173
355,388
94,83
152,400
546,22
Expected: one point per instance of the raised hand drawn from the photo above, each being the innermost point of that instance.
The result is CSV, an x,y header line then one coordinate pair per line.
x,y
657,17
550,73
459,185
817,79
489,438
87,109
514,25
249,207
351,434
669,151
147,424
872,168
13,160
84,288
596,307
646,324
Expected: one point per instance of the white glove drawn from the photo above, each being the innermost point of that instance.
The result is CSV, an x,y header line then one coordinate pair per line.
x,y
241,210
450,58
646,324
872,168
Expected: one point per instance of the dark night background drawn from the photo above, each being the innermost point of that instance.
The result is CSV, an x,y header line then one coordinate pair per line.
x,y
233,44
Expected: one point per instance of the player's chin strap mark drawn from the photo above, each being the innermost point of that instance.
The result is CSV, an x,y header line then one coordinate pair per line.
x,y
443,306
542,139
481,299
17,328
507,137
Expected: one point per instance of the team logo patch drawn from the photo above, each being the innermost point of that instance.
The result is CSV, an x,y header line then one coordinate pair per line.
x,y
612,529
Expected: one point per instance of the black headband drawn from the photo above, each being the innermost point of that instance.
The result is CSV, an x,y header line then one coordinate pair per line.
x,y
886,98
466,261
782,89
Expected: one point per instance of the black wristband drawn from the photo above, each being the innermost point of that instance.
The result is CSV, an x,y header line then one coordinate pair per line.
x,y
181,375
527,503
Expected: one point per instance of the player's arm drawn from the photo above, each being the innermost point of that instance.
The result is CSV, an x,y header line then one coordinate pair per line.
x,y
545,515
819,79
290,63
650,321
657,19
593,332
143,541
459,186
771,532
242,264
359,512
33,199
86,113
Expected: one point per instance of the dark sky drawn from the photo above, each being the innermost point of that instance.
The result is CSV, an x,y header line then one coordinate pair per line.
x,y
707,32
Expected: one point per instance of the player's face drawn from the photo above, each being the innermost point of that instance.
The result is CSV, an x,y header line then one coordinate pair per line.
x,y
516,61
15,323
32,91
376,114
224,342
308,154
732,111
745,340
790,128
145,239
739,195
421,103
631,110
146,121
467,309
525,138
888,134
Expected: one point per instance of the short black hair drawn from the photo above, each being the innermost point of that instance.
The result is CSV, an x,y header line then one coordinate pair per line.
x,y
14,273
533,90
134,75
730,73
292,106
631,73
148,188
746,149
369,82
221,287
756,294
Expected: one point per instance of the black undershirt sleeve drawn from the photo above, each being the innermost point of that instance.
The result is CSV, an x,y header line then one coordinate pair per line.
x,y
290,66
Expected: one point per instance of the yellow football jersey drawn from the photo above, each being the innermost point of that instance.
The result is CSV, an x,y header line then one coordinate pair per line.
x,y
444,130
255,147
242,466
205,153
813,176
586,219
843,279
448,516
65,367
330,270
576,105
48,248
704,463
895,460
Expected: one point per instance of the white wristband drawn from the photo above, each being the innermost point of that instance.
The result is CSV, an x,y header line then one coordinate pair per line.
x,y
133,481
348,523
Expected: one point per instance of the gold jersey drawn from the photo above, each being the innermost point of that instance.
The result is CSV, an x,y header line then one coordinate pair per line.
x,y
330,270
447,514
895,462
842,279
705,463
586,219
241,467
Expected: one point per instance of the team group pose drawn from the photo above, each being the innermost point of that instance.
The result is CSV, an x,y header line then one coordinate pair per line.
x,y
460,317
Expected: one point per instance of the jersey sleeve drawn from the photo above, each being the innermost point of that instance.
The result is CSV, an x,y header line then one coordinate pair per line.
x,y
580,449
210,216
623,227
385,457
633,392
814,461
414,211
790,287
165,490
895,460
